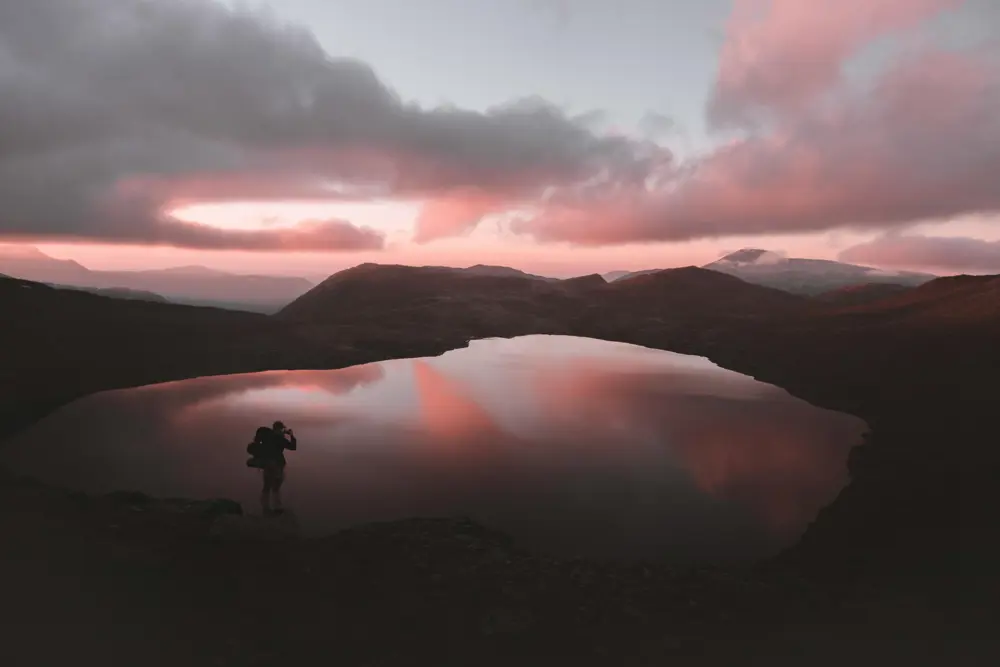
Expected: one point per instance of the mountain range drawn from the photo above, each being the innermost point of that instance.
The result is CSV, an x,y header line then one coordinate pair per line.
x,y
838,349
194,285
200,285
799,276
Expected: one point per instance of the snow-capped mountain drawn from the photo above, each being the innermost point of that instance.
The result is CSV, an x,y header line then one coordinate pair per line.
x,y
807,276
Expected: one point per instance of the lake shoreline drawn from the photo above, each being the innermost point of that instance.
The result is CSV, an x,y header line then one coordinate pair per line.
x,y
684,460
861,459
895,546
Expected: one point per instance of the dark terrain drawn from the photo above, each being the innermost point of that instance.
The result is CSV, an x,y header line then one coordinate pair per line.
x,y
899,567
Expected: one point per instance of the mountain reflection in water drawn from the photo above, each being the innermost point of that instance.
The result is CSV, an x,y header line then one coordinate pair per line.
x,y
573,446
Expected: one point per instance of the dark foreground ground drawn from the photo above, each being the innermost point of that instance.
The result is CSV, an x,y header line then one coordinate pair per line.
x,y
901,567
126,580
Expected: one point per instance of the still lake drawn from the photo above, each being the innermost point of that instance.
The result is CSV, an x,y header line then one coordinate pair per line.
x,y
573,446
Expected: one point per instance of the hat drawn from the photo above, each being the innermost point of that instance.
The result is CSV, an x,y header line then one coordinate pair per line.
x,y
278,424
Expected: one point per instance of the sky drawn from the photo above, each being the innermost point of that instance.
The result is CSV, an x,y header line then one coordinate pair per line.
x,y
561,137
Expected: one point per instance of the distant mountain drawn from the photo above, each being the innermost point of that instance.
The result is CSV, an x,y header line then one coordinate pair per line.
x,y
189,270
807,276
30,263
120,293
799,276
211,287
613,276
196,285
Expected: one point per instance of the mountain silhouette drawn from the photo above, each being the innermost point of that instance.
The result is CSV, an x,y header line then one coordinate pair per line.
x,y
197,285
399,298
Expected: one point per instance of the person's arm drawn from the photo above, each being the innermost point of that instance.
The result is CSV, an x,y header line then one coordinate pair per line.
x,y
291,442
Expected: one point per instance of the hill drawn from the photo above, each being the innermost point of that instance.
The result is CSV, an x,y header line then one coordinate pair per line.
x,y
966,301
855,295
406,298
489,270
693,290
62,343
686,301
29,263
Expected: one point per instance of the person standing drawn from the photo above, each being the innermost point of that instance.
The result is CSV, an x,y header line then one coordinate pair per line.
x,y
268,450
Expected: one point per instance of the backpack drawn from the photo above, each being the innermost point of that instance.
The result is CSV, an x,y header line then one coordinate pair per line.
x,y
256,448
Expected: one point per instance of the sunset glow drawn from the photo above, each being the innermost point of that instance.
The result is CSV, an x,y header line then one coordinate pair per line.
x,y
875,129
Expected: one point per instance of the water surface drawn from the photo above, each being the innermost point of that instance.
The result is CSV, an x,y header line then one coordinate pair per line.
x,y
574,446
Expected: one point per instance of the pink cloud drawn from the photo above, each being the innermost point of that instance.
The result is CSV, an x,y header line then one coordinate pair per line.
x,y
791,470
780,55
921,142
928,252
453,214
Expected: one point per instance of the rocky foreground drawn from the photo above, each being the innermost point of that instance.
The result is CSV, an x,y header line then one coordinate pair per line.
x,y
133,580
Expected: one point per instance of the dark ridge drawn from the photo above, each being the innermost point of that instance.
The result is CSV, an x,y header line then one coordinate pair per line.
x,y
949,301
856,295
400,298
487,269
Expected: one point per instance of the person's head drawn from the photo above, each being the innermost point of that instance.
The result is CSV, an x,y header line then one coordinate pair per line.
x,y
279,426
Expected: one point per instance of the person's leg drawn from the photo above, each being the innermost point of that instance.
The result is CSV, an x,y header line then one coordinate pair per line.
x,y
279,479
265,494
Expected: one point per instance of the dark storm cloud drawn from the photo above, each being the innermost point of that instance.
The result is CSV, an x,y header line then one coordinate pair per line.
x,y
99,97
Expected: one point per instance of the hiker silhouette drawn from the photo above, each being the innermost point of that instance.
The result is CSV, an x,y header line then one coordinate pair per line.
x,y
268,454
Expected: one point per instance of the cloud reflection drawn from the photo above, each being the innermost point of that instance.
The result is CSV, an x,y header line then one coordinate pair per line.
x,y
632,453
741,441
